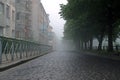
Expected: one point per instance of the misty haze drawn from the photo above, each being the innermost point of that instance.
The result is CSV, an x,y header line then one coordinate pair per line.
x,y
59,40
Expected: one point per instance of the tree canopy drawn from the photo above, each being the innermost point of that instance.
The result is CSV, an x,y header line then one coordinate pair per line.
x,y
88,19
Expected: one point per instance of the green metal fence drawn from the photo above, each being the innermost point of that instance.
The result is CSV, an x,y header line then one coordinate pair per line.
x,y
13,49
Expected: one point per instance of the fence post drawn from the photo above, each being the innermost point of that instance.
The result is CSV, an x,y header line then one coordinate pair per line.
x,y
12,53
20,48
26,49
40,51
0,50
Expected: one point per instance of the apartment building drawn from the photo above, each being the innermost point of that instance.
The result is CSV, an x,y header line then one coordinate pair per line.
x,y
40,22
32,21
52,37
23,25
7,18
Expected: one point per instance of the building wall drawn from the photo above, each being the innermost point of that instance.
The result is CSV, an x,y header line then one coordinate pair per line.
x,y
40,22
45,25
7,18
23,19
35,19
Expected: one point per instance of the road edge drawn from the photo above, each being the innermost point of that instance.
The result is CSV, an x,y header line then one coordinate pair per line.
x,y
17,63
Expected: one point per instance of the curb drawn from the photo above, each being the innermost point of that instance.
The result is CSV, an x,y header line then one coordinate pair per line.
x,y
103,56
14,64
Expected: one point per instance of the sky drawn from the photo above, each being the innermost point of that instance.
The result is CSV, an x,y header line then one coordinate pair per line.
x,y
52,8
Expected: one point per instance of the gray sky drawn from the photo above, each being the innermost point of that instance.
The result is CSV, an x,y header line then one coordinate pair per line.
x,y
52,8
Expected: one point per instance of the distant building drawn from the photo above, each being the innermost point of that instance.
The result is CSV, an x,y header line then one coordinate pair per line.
x,y
40,22
31,21
24,19
7,18
23,27
50,34
52,37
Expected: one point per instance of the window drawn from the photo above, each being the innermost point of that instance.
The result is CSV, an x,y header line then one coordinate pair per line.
x,y
1,8
13,15
27,2
17,34
27,5
13,33
1,31
7,30
18,15
8,12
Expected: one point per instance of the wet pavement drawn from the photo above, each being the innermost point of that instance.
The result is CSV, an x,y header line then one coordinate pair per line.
x,y
65,65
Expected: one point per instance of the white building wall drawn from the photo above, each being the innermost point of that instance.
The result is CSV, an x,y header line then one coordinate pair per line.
x,y
39,20
7,25
35,19
23,19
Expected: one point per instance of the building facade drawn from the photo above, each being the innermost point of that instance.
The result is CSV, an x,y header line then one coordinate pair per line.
x,y
31,21
24,19
40,22
52,38
23,25
50,35
7,18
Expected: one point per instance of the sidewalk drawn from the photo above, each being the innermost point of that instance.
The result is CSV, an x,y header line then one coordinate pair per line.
x,y
9,64
113,56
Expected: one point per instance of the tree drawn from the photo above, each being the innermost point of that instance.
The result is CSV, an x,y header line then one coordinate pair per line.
x,y
92,18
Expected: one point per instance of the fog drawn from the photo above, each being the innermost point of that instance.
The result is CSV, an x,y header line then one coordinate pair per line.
x,y
64,45
53,9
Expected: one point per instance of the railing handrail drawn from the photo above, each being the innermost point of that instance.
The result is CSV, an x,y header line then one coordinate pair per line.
x,y
9,47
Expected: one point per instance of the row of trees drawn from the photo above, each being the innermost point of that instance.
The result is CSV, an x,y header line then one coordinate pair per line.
x,y
89,19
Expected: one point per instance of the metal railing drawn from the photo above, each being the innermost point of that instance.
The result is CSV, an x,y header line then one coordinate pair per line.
x,y
14,49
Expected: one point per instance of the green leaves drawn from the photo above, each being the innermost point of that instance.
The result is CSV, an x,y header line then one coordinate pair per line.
x,y
91,18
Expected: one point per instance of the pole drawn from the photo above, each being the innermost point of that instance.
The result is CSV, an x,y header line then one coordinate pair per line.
x,y
0,50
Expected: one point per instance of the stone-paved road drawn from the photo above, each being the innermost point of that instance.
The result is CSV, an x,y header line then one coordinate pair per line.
x,y
61,65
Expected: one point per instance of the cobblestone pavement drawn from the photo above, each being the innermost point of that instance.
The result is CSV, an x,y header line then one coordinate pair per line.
x,y
65,65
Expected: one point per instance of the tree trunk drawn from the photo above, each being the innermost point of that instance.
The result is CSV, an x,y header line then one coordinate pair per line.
x,y
100,39
85,45
91,44
110,27
110,38
100,45
79,44
82,45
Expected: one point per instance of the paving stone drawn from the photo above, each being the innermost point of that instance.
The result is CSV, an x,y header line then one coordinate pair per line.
x,y
65,65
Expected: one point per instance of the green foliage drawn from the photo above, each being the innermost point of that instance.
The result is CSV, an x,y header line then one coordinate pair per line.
x,y
88,19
